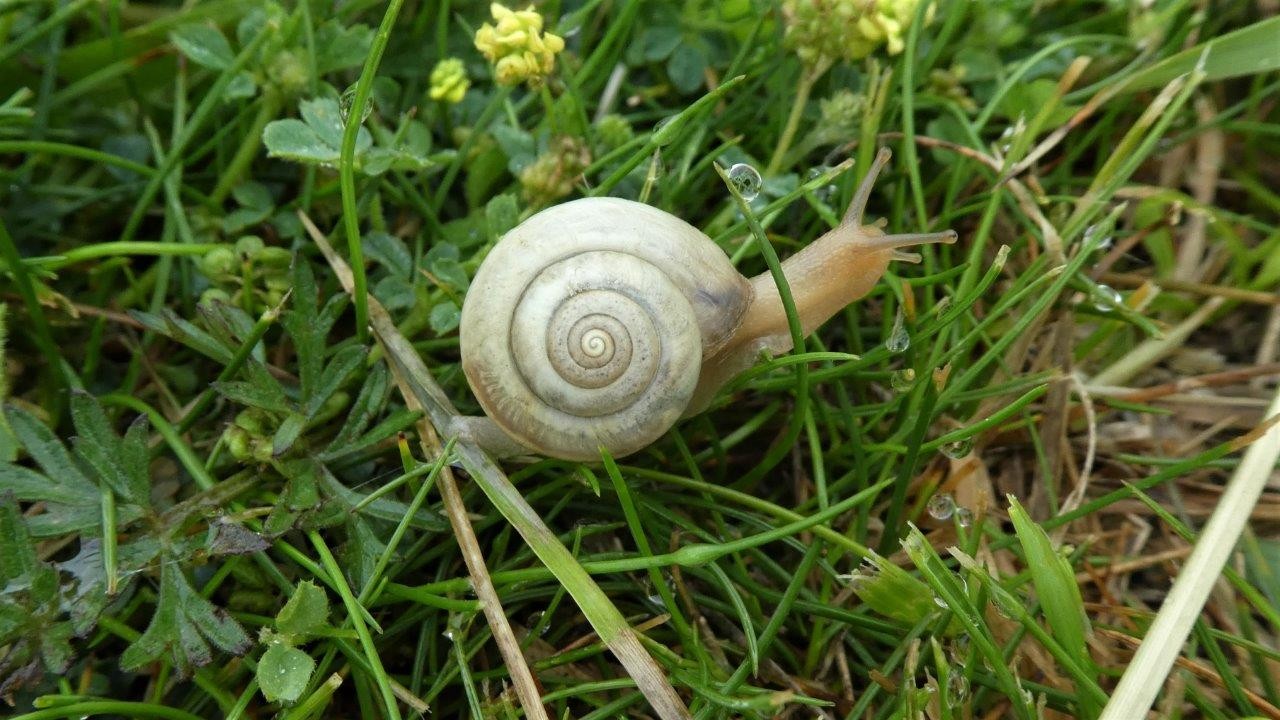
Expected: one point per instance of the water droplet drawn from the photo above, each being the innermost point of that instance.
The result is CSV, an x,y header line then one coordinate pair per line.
x,y
448,634
958,448
941,506
937,600
746,180
822,192
348,101
964,516
1106,298
1092,241
898,340
957,686
902,380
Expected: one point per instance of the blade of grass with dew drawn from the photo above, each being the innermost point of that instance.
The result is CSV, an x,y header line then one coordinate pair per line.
x,y
948,589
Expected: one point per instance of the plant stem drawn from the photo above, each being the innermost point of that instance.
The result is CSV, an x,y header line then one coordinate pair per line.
x,y
248,150
347,166
808,77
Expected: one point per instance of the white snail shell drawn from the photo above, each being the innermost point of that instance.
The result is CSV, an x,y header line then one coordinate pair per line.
x,y
587,324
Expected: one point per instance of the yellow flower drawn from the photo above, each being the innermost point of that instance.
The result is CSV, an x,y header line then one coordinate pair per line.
x,y
449,81
823,31
516,45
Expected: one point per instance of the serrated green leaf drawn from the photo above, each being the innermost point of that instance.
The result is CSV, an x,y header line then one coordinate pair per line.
x,y
72,502
340,367
283,673
368,402
229,324
251,395
389,251
175,328
305,612
135,458
287,434
18,557
381,509
385,430
183,626
30,486
330,312
203,45
361,553
48,452
35,637
300,321
99,446
1054,580
339,47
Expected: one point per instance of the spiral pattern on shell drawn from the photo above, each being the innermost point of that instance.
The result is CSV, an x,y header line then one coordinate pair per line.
x,y
603,333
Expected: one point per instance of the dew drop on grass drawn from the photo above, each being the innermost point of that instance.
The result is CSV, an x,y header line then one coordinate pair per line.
x,y
898,340
1106,298
964,516
957,686
941,603
941,506
958,449
746,180
348,101
1093,242
822,192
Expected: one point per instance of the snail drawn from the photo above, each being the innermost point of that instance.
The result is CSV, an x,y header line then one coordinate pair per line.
x,y
600,322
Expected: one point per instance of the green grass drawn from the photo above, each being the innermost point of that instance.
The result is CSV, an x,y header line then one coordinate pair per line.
x,y
227,487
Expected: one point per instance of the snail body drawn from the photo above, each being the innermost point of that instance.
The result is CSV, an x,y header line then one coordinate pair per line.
x,y
601,322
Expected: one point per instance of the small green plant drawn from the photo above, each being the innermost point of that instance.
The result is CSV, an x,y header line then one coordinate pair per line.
x,y
284,670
